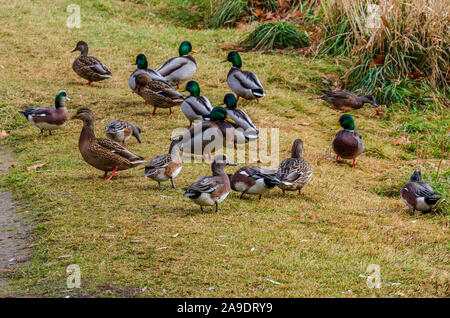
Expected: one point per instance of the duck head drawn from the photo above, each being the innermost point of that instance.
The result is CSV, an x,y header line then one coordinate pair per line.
x,y
297,149
219,114
141,80
141,62
193,88
416,176
370,100
230,101
234,58
347,122
84,114
185,48
60,98
219,163
82,47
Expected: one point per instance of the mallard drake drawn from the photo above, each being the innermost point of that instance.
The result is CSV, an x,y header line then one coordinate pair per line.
x,y
181,68
294,170
120,131
49,118
254,180
102,153
142,67
213,189
210,135
346,101
348,142
166,167
157,93
240,117
89,67
194,107
244,83
419,195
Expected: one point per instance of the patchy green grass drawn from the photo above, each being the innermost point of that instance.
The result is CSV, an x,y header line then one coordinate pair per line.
x,y
316,245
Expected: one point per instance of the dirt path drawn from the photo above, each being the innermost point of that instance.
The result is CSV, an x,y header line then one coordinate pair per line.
x,y
13,231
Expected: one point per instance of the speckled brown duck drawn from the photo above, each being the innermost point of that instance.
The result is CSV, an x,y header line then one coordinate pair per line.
x,y
157,93
346,101
294,172
102,153
348,143
89,67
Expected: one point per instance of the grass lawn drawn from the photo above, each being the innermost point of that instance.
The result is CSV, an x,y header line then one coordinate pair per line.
x,y
316,245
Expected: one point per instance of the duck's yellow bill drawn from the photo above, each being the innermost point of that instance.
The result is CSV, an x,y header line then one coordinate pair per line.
x,y
228,119
193,51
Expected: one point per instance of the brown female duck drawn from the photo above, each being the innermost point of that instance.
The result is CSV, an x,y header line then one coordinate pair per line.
x,y
294,173
102,153
157,93
346,101
348,142
89,67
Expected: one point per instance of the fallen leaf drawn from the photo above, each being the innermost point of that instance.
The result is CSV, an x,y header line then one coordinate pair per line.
x,y
35,167
402,141
127,231
4,133
193,9
305,123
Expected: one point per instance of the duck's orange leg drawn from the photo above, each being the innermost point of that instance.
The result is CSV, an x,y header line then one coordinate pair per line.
x,y
238,98
89,82
257,100
154,111
300,192
171,111
113,172
354,161
190,124
104,176
337,157
178,86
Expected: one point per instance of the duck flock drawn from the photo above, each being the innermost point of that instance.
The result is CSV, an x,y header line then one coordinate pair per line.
x,y
157,88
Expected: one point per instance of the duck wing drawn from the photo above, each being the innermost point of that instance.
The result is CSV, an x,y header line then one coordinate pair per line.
x,y
200,105
247,80
114,147
241,118
171,65
157,163
115,126
94,64
202,185
37,112
291,169
165,90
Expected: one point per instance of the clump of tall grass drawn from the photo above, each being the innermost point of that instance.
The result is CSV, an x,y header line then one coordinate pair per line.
x,y
276,35
399,48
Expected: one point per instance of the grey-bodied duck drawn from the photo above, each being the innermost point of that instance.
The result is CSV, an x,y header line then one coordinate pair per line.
x,y
244,84
295,170
181,68
194,107
240,117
